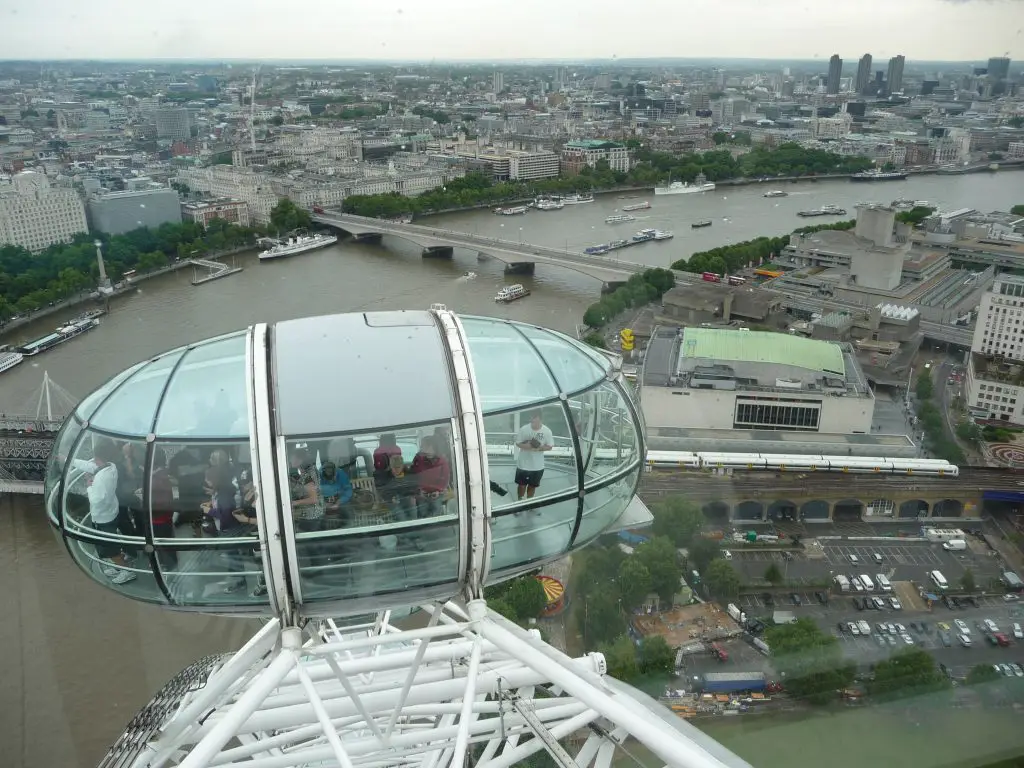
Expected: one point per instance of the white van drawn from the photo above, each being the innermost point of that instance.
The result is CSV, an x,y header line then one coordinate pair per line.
x,y
868,584
956,545
883,582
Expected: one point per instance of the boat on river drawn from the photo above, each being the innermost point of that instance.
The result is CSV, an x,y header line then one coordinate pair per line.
x,y
10,359
298,244
701,223
515,210
577,199
825,210
512,293
620,218
547,204
637,206
66,332
877,175
776,193
700,184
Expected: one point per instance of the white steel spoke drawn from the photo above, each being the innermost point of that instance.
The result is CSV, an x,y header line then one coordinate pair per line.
x,y
467,689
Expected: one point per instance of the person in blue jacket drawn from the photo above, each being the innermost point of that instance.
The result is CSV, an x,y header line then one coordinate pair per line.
x,y
335,487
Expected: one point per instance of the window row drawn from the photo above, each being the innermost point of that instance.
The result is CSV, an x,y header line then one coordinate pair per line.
x,y
793,417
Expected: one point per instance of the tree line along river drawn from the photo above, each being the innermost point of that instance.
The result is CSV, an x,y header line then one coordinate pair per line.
x,y
77,661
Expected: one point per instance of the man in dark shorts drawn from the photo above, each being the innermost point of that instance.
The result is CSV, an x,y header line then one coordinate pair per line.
x,y
533,440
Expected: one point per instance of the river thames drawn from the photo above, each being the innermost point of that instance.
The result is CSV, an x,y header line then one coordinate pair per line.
x,y
76,661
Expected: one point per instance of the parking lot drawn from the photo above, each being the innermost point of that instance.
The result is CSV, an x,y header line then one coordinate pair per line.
x,y
906,564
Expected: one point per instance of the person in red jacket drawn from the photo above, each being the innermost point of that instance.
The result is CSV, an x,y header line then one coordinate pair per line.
x,y
432,474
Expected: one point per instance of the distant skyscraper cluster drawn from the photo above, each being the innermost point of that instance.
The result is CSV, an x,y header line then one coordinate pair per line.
x,y
863,80
835,72
894,78
863,83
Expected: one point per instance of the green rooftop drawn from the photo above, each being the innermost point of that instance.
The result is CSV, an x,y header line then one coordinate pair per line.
x,y
593,144
754,347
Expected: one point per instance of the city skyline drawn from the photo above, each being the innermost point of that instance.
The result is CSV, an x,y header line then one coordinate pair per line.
x,y
929,30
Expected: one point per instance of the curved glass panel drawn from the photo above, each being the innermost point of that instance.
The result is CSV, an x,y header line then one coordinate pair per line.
x,y
55,464
131,409
603,507
509,372
531,536
88,406
135,579
530,455
206,396
616,436
375,513
573,368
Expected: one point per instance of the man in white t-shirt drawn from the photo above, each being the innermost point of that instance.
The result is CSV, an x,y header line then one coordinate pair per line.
x,y
533,440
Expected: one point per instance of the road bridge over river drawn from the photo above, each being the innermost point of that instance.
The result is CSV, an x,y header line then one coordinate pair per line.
x,y
518,256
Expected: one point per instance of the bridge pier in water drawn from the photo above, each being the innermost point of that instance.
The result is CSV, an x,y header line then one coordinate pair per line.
x,y
520,268
438,252
368,237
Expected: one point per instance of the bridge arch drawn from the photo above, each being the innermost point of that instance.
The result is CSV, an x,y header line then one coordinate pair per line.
x,y
500,251
914,508
948,508
783,509
749,510
819,509
848,511
716,512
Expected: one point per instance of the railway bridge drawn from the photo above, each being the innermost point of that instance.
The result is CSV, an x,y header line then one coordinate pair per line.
x,y
763,496
519,257
27,434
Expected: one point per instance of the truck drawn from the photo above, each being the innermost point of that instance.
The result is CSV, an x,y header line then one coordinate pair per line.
x,y
954,545
737,615
733,682
942,534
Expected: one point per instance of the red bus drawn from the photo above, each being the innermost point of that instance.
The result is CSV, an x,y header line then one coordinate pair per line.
x,y
711,277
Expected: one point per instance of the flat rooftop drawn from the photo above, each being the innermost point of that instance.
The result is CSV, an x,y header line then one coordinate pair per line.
x,y
786,349
1006,371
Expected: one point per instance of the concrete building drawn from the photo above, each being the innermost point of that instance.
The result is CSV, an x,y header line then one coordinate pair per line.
x,y
724,380
515,165
34,214
578,154
874,261
173,124
835,73
998,74
894,77
497,82
995,374
204,211
863,80
115,213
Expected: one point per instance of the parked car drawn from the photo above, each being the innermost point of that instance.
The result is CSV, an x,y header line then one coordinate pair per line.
x,y
794,598
945,639
822,597
895,603
962,626
965,641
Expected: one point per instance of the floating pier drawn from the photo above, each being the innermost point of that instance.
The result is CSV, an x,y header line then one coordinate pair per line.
x,y
205,271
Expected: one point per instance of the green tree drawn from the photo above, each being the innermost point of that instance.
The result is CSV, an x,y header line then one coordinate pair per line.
x,y
722,579
525,595
967,581
656,655
1017,210
924,388
773,574
286,216
915,215
634,581
907,673
702,552
595,339
621,659
678,519
596,315
980,674
810,660
660,558
601,618
968,431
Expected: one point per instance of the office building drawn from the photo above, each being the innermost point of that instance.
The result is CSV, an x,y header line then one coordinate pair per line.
x,y
995,374
998,74
173,124
724,380
578,154
894,79
515,165
204,211
863,80
34,214
498,82
835,72
115,213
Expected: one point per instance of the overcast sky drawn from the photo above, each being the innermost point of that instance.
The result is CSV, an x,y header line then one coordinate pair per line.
x,y
967,30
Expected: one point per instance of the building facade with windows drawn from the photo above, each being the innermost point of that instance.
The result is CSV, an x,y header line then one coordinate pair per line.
x,y
994,383
115,213
204,211
576,155
34,214
724,379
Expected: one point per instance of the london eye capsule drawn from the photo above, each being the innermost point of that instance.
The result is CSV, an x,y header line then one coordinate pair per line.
x,y
343,464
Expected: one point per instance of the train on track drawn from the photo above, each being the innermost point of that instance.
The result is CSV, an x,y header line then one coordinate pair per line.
x,y
778,462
